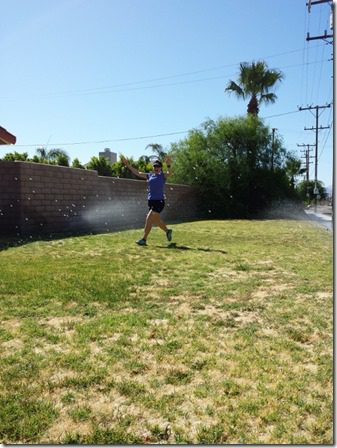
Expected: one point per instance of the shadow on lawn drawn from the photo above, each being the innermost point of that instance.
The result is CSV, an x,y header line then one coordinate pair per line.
x,y
183,248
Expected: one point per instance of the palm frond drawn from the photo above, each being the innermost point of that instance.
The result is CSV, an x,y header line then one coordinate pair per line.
x,y
268,98
235,88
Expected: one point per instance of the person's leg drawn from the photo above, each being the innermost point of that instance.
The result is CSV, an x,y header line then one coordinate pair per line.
x,y
150,220
153,218
161,224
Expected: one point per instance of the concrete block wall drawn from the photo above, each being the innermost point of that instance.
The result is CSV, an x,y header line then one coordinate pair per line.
x,y
39,199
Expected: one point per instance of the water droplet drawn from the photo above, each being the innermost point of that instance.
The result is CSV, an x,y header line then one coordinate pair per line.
x,y
84,197
209,211
33,191
28,198
30,178
73,205
56,200
26,219
11,205
15,178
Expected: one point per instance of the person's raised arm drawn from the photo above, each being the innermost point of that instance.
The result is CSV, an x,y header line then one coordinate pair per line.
x,y
168,161
133,169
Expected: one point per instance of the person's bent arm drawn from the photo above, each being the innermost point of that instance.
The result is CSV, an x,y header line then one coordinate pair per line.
x,y
134,170
168,161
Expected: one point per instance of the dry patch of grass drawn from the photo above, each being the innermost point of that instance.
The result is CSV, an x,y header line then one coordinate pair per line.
x,y
229,343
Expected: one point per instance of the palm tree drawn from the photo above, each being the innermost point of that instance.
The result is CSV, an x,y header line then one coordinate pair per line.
x,y
157,149
255,81
101,165
53,156
58,156
42,154
293,169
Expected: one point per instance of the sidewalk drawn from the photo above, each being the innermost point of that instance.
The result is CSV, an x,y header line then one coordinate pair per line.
x,y
322,214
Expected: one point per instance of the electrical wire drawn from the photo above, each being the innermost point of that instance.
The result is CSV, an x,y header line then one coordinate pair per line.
x,y
137,85
133,138
106,141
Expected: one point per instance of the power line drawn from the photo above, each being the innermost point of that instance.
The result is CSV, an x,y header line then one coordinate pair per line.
x,y
143,137
106,141
316,128
129,86
326,139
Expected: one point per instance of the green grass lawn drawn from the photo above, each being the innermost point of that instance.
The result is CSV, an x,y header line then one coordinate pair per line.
x,y
222,337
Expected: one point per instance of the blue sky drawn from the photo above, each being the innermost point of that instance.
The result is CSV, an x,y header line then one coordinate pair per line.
x,y
84,75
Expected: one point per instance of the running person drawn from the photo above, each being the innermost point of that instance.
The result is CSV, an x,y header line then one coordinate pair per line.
x,y
156,198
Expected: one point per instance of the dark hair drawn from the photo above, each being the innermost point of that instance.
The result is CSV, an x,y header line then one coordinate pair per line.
x,y
157,163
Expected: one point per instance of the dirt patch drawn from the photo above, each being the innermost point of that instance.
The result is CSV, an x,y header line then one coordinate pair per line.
x,y
11,324
63,426
12,346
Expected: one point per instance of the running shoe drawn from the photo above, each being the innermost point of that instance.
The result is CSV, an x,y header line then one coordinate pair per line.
x,y
141,242
169,234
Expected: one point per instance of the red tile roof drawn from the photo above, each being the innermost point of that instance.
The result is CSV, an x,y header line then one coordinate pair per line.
x,y
6,138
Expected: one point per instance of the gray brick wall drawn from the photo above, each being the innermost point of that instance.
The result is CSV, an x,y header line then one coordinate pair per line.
x,y
38,199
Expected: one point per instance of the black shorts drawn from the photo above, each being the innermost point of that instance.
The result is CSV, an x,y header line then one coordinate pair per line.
x,y
156,205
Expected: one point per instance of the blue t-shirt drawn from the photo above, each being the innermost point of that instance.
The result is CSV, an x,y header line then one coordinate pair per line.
x,y
155,186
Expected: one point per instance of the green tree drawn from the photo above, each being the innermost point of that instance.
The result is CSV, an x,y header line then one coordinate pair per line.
x,y
306,190
77,164
58,156
101,165
158,150
54,156
233,179
41,155
293,169
16,156
254,83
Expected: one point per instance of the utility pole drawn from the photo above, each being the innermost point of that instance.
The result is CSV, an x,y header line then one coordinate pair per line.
x,y
325,36
273,148
319,2
307,159
316,128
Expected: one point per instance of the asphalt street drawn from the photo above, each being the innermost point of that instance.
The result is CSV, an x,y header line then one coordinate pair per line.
x,y
322,214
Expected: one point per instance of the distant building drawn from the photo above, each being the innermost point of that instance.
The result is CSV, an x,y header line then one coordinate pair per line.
x,y
109,155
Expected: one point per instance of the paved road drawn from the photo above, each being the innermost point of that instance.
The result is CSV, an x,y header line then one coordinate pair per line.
x,y
322,214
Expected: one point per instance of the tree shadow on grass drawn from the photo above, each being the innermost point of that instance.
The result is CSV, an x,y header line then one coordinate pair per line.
x,y
183,248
